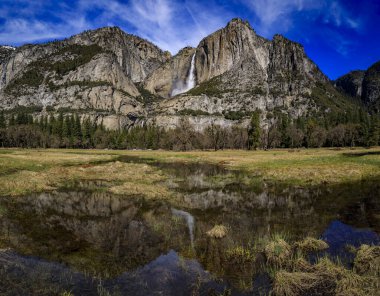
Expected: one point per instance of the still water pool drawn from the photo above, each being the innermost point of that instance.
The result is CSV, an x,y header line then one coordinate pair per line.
x,y
87,241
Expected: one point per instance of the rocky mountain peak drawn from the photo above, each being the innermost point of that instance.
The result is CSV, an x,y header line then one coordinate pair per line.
x,y
138,57
237,22
220,51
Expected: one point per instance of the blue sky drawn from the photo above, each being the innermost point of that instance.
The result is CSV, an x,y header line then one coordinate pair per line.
x,y
339,35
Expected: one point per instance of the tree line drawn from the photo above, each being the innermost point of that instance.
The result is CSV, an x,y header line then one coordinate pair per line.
x,y
72,131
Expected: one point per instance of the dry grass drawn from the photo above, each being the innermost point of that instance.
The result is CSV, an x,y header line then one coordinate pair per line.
x,y
305,166
218,231
367,260
294,283
241,254
58,169
310,244
299,277
277,252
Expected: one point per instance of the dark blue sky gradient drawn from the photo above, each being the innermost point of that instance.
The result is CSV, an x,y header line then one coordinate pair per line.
x,y
339,36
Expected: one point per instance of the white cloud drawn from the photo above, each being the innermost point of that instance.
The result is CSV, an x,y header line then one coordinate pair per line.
x,y
338,16
275,16
171,25
18,31
167,23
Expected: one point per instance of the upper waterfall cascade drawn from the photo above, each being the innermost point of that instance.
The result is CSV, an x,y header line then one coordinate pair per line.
x,y
190,80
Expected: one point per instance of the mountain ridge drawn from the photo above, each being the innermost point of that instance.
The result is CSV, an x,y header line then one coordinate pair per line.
x,y
122,80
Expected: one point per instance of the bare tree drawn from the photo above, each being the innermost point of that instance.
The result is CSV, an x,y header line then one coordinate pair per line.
x,y
296,136
336,135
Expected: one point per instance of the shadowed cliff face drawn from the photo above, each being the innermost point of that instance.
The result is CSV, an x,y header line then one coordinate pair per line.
x,y
351,83
364,85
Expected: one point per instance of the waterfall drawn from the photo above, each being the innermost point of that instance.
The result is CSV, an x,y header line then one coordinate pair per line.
x,y
189,220
190,80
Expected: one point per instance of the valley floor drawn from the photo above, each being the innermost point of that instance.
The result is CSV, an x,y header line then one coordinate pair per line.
x,y
143,204
33,170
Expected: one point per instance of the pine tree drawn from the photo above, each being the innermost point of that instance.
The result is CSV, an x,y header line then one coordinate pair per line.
x,y
66,128
59,129
52,125
12,120
86,132
3,123
374,132
77,128
254,132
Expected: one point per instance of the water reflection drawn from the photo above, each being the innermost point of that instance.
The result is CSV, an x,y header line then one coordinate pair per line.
x,y
189,220
152,247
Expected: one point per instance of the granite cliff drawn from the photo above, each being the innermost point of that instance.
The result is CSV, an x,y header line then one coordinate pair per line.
x,y
122,80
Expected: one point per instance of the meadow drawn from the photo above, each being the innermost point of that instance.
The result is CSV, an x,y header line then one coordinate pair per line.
x,y
24,171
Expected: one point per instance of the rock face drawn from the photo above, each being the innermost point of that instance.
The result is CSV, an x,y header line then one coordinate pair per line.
x,y
137,57
92,71
171,75
5,51
351,83
371,87
364,85
122,80
222,50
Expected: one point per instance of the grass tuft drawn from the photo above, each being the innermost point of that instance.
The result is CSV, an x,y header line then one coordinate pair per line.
x,y
367,260
218,231
294,283
310,244
277,252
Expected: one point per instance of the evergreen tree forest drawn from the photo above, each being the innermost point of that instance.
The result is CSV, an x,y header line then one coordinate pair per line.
x,y
61,130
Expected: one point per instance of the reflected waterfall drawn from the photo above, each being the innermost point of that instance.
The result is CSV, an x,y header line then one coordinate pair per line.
x,y
189,220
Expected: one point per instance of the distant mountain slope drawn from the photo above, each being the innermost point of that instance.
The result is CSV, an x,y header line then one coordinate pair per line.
x,y
364,85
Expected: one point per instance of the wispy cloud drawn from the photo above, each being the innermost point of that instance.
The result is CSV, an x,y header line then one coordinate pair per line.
x,y
17,31
170,24
276,16
340,17
173,24
283,16
26,25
